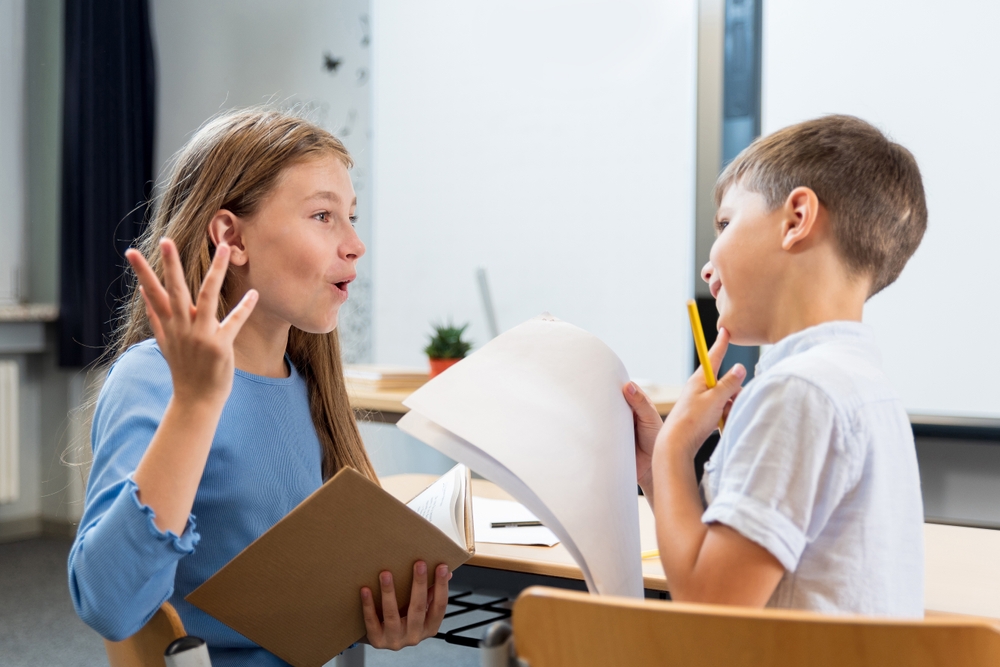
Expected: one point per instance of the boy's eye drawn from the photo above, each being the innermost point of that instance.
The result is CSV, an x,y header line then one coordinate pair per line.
x,y
322,216
354,219
720,225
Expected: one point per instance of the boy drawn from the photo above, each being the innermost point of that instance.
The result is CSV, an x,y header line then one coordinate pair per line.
x,y
812,497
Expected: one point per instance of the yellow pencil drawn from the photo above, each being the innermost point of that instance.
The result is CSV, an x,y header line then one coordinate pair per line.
x,y
702,347
652,553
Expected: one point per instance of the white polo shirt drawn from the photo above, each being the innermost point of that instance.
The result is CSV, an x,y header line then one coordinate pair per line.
x,y
817,465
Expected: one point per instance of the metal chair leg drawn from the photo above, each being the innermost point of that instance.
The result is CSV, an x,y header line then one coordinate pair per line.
x,y
187,652
498,647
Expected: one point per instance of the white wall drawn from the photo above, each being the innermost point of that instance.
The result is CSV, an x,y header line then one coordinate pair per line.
x,y
223,54
552,143
925,72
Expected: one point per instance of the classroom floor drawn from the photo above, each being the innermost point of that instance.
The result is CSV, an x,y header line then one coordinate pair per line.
x,y
39,627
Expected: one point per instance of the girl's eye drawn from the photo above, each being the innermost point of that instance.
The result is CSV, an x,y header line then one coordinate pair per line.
x,y
354,219
322,216
720,225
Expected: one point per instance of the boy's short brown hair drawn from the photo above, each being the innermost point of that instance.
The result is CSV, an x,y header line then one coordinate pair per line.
x,y
870,185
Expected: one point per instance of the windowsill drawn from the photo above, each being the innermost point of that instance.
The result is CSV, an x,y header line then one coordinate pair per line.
x,y
29,312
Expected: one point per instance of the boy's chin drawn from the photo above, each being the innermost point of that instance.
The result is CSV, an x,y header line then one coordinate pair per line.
x,y
738,335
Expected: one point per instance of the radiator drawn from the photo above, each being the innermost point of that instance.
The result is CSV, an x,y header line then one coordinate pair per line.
x,y
9,440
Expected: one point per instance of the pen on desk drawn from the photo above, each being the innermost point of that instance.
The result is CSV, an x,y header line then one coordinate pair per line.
x,y
702,348
514,524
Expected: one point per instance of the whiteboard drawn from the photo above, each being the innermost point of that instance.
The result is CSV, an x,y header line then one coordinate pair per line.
x,y
553,144
926,73
226,54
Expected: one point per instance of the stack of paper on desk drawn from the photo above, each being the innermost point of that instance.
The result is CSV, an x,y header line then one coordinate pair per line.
x,y
539,411
379,377
487,511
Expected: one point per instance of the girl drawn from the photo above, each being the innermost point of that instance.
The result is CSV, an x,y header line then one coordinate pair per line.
x,y
231,413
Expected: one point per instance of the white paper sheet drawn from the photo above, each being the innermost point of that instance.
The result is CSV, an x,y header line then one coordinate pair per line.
x,y
539,411
486,511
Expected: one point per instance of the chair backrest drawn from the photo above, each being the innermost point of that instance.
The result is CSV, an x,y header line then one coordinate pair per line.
x,y
556,628
145,648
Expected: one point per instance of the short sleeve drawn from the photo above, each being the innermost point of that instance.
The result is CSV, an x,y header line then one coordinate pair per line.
x,y
785,469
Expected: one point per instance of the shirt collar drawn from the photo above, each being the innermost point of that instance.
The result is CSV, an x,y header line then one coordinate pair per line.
x,y
861,334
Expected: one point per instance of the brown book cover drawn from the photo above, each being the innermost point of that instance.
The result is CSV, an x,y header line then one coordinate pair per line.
x,y
296,590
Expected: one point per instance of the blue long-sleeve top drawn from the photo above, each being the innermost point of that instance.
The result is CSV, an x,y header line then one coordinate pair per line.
x,y
265,459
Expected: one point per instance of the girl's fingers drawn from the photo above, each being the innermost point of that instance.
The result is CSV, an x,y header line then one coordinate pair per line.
x,y
390,608
237,317
372,624
208,295
154,319
156,296
439,601
173,279
418,604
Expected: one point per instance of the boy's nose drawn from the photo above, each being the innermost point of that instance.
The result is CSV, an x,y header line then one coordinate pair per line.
x,y
707,272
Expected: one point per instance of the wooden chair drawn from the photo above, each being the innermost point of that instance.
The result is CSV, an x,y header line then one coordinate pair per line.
x,y
556,628
145,648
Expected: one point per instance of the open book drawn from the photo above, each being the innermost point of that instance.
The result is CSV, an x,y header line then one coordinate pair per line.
x,y
539,411
296,590
447,503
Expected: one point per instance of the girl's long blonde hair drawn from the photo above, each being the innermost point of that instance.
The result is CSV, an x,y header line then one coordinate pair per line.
x,y
233,163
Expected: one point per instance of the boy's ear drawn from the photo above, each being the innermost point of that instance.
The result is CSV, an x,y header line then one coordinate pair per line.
x,y
801,221
225,227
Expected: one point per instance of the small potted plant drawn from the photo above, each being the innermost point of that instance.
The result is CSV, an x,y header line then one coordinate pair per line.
x,y
446,347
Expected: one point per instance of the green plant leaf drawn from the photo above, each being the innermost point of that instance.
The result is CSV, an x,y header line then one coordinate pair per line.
x,y
446,342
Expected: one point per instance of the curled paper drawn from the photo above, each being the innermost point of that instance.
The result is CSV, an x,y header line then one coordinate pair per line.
x,y
539,411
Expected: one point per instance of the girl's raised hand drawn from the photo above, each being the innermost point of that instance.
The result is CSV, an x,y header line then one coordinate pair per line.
x,y
198,348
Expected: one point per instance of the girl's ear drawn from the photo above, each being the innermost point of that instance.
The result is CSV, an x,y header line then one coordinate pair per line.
x,y
803,219
227,228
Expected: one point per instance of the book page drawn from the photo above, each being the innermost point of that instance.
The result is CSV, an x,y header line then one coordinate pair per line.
x,y
437,503
539,411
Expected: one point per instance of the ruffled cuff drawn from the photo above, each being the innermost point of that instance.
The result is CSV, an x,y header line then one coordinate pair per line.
x,y
184,543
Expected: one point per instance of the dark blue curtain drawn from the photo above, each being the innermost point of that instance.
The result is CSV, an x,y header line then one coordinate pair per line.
x,y
107,164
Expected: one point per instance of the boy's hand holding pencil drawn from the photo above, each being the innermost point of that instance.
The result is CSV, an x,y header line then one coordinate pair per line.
x,y
702,407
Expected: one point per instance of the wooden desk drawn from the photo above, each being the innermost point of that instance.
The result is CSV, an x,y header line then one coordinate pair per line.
x,y
387,406
549,561
962,567
961,572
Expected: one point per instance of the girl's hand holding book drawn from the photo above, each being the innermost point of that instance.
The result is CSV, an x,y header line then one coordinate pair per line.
x,y
198,348
422,620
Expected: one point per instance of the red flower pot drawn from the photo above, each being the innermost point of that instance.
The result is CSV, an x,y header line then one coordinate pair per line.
x,y
439,366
